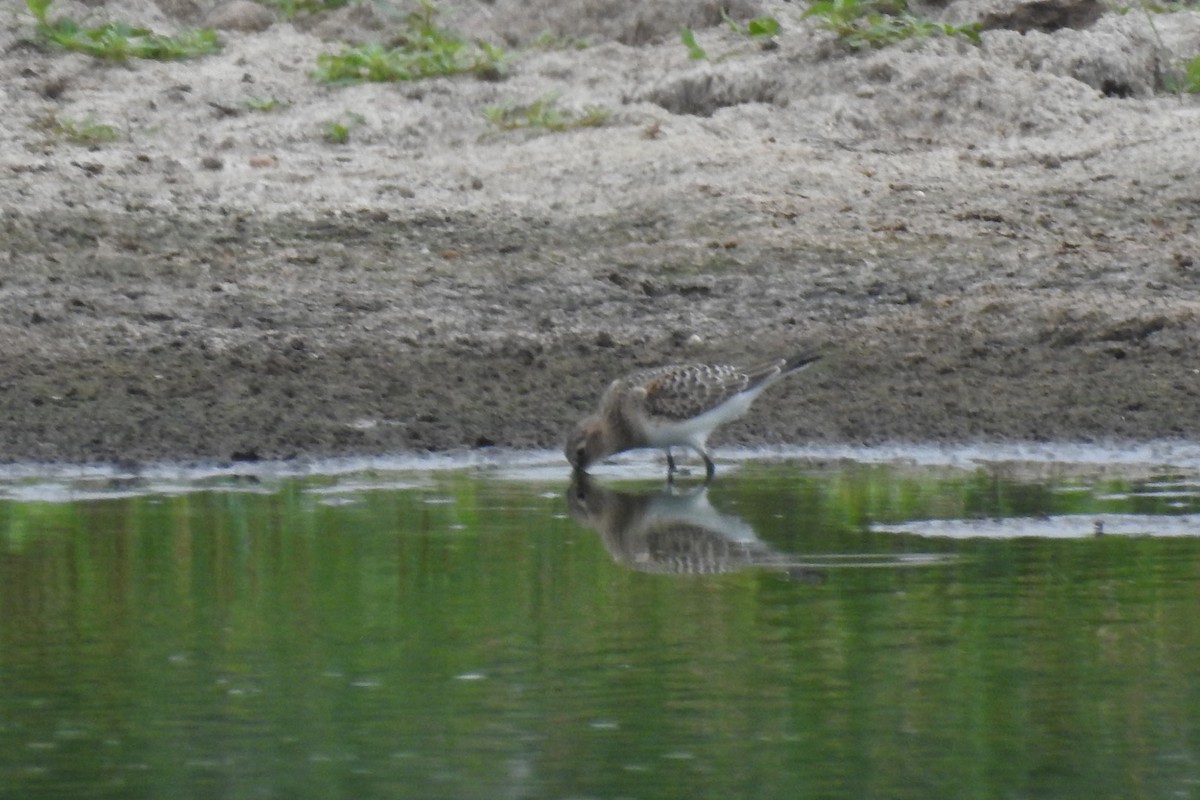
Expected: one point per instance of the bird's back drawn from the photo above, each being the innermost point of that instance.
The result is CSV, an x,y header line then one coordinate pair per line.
x,y
685,391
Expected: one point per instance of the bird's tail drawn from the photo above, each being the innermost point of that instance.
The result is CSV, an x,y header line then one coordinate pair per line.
x,y
766,374
800,361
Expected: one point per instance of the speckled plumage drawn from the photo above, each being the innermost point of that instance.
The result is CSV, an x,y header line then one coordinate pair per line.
x,y
681,391
673,406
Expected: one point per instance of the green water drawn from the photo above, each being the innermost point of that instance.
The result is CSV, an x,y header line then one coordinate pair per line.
x,y
454,635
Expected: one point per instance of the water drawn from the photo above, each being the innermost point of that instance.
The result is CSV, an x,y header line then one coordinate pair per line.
x,y
817,628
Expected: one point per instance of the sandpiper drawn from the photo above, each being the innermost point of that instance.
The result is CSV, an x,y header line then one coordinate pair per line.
x,y
674,406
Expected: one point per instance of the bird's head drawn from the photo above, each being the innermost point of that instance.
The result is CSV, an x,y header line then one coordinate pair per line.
x,y
585,444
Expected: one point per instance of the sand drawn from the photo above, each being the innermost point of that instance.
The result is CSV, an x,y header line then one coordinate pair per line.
x,y
991,241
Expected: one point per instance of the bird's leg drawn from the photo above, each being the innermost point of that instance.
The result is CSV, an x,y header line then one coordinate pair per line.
x,y
670,462
710,468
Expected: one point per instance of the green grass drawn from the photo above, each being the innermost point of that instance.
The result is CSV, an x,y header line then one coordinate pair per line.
x,y
1189,83
547,40
82,132
119,41
337,131
877,23
1170,80
1191,76
544,114
265,103
759,28
688,37
424,51
755,28
289,9
1155,7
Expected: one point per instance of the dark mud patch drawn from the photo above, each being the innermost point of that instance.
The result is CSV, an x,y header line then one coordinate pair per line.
x,y
224,341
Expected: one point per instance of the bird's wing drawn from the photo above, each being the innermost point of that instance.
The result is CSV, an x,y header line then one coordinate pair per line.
x,y
687,390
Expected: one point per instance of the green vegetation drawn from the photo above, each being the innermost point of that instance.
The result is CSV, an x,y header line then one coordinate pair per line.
x,y
424,51
1191,78
1171,79
757,28
1189,82
265,103
1157,7
688,37
544,113
119,41
548,40
877,23
289,9
84,132
337,131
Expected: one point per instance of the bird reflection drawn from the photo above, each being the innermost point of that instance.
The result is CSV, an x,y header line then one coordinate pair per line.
x,y
674,532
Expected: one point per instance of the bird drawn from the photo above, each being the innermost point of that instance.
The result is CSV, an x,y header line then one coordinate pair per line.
x,y
678,405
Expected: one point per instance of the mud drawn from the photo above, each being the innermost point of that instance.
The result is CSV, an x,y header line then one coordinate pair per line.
x,y
993,242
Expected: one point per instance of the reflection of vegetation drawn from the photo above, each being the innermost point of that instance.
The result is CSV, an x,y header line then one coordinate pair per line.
x,y
119,41
237,630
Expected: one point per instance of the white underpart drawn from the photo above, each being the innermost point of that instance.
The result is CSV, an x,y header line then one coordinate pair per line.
x,y
694,432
